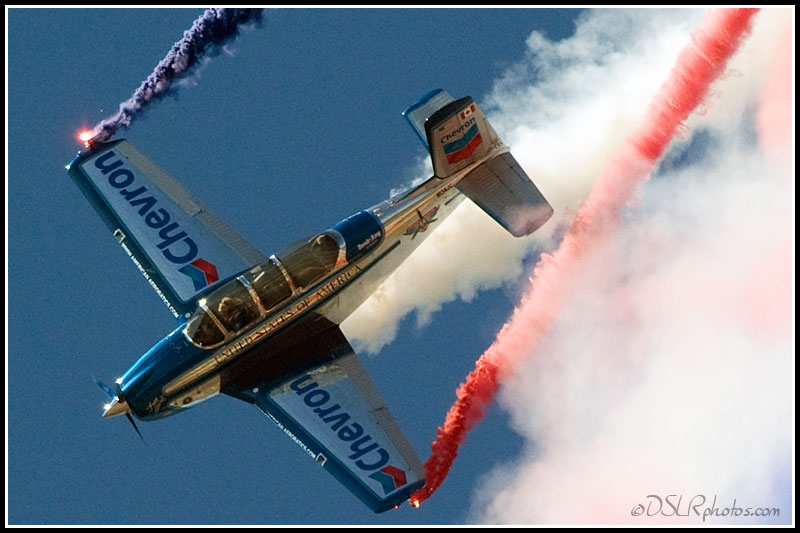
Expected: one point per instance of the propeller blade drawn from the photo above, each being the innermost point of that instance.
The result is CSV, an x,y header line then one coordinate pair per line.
x,y
130,419
108,390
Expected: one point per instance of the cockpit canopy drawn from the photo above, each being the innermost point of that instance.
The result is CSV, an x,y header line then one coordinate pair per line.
x,y
253,295
248,298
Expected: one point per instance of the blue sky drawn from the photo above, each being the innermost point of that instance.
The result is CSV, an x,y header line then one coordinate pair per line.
x,y
293,127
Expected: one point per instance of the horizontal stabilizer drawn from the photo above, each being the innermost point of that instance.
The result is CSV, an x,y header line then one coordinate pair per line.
x,y
505,192
418,112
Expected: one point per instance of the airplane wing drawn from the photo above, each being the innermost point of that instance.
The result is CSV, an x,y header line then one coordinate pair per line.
x,y
334,412
179,245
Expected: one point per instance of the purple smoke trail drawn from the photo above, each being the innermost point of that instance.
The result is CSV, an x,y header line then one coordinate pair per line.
x,y
213,29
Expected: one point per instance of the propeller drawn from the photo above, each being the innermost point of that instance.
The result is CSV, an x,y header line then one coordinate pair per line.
x,y
117,405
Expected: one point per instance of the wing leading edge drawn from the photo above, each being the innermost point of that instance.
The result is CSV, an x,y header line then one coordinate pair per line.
x,y
336,414
179,245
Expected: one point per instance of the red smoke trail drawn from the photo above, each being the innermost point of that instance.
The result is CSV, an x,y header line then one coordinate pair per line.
x,y
698,65
211,30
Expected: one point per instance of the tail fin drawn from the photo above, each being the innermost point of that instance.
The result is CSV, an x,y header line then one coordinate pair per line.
x,y
459,137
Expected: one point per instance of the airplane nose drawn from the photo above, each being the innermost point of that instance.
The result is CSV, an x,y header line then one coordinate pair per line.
x,y
116,407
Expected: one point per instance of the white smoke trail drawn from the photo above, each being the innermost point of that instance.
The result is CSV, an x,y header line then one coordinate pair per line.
x,y
671,373
563,113
692,395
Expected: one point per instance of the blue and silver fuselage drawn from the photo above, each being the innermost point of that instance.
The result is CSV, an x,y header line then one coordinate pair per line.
x,y
358,254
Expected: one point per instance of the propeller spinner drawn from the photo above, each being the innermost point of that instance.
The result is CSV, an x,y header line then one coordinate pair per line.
x,y
117,405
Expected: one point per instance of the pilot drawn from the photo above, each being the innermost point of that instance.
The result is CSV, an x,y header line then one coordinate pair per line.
x,y
235,313
325,250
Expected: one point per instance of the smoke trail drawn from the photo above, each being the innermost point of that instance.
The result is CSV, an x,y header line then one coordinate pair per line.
x,y
211,30
698,65
551,95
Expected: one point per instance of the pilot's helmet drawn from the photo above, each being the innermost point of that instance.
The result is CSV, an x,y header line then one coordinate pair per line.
x,y
228,306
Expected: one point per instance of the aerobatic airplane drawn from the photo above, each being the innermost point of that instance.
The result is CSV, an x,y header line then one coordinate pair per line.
x,y
266,330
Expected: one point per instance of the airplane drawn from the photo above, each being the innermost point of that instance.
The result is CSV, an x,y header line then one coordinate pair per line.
x,y
265,329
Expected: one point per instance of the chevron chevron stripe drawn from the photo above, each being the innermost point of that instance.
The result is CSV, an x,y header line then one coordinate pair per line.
x,y
201,272
390,478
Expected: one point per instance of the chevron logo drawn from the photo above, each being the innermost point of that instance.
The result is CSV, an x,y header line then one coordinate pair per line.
x,y
201,272
464,147
390,477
